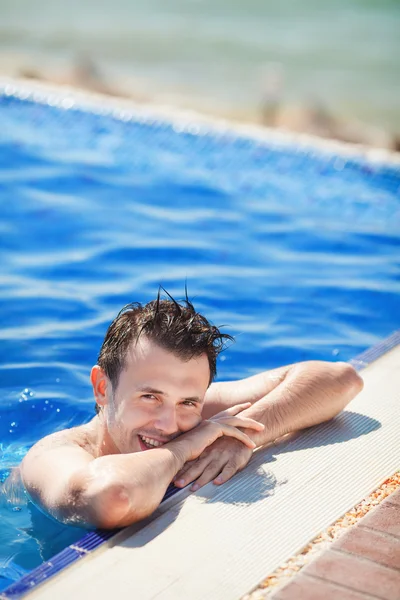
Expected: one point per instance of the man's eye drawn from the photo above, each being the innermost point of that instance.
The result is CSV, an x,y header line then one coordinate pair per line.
x,y
189,403
148,397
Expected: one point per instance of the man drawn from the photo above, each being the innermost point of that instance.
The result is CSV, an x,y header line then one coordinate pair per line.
x,y
161,419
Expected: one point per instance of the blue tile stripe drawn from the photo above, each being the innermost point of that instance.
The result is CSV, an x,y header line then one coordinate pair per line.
x,y
94,539
65,558
42,573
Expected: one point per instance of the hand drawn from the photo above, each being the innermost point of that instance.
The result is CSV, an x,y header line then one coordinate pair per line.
x,y
218,462
190,445
230,416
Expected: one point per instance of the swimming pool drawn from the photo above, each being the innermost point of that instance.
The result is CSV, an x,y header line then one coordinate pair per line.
x,y
296,249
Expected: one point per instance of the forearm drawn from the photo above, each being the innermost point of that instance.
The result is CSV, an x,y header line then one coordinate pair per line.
x,y
225,394
309,394
121,489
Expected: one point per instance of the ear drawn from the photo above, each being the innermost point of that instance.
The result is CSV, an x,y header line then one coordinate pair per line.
x,y
99,382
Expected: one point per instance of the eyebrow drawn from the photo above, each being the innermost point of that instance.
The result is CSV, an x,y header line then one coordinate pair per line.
x,y
149,390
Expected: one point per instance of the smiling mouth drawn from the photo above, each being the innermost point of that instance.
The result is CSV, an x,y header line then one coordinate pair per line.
x,y
147,443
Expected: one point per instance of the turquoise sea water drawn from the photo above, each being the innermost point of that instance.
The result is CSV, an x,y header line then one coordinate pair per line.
x,y
296,252
213,54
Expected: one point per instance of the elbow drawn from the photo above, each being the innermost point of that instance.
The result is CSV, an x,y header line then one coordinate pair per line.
x,y
114,507
349,382
338,382
110,508
350,379
109,500
97,502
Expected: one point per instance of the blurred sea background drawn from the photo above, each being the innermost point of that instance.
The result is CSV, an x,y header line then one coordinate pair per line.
x,y
327,68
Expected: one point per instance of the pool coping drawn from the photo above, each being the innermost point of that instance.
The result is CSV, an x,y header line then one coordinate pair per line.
x,y
186,121
93,540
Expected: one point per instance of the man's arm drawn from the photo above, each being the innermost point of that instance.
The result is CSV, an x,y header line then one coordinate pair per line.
x,y
119,489
299,396
309,393
288,398
78,489
225,394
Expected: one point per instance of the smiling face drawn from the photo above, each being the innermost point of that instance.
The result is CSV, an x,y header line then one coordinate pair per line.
x,y
158,396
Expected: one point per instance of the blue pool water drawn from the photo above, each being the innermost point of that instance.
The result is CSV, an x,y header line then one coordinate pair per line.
x,y
296,251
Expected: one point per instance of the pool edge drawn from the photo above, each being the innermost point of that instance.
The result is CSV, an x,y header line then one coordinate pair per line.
x,y
185,120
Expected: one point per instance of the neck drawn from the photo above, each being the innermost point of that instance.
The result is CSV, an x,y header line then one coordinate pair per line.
x,y
104,444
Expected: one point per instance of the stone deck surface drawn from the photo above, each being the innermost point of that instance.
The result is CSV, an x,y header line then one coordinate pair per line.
x,y
364,564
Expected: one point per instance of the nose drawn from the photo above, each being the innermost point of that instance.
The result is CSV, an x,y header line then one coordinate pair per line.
x,y
166,421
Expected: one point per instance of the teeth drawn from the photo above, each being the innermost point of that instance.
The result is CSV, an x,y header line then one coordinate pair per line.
x,y
151,442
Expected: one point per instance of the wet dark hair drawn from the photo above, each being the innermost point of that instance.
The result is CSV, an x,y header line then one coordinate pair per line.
x,y
174,326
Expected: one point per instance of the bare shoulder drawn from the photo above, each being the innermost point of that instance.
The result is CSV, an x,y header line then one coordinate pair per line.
x,y
82,437
50,466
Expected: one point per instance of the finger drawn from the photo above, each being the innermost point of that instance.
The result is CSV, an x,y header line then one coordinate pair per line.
x,y
243,422
185,468
192,473
211,472
234,465
227,472
239,435
234,410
